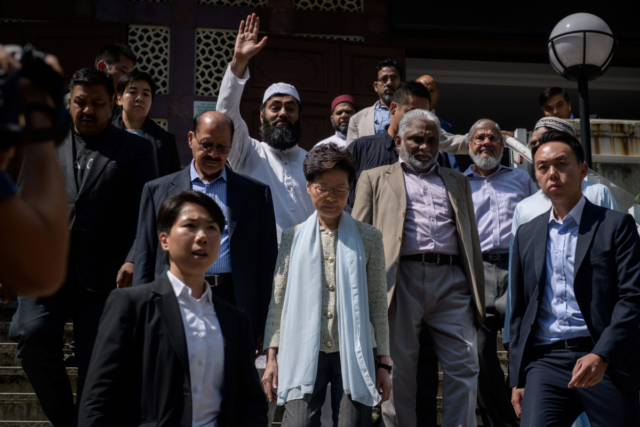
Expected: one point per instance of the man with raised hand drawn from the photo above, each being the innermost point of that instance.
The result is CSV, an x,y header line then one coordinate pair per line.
x,y
277,160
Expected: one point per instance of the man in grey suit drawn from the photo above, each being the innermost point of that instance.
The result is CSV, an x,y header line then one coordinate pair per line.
x,y
373,120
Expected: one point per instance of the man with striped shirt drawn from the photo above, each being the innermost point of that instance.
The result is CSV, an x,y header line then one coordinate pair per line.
x,y
496,190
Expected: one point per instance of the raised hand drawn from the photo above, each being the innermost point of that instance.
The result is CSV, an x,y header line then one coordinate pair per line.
x,y
247,45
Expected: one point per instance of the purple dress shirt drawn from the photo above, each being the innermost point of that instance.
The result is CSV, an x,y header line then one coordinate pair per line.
x,y
429,223
494,201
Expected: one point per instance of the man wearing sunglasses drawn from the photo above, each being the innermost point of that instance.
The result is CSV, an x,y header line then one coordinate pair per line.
x,y
373,120
243,272
496,190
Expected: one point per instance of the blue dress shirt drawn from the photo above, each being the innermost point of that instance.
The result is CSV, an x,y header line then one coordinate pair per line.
x,y
559,317
217,190
494,201
381,118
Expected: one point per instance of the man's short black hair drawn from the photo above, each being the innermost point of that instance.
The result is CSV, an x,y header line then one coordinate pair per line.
x,y
111,54
91,77
324,157
389,63
401,96
196,123
552,91
171,206
557,136
134,76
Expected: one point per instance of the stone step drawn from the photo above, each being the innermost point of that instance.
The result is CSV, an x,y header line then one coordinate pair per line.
x,y
8,354
4,332
20,406
24,423
14,380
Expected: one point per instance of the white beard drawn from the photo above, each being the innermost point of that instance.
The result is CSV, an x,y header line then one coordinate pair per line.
x,y
486,163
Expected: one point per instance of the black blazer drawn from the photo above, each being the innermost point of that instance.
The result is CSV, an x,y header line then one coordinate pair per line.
x,y
104,212
139,371
252,239
165,150
606,286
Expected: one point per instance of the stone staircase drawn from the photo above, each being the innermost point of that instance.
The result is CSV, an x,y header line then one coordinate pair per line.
x,y
19,406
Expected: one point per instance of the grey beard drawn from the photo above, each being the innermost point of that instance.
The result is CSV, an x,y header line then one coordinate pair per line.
x,y
420,167
387,98
486,163
281,137
342,129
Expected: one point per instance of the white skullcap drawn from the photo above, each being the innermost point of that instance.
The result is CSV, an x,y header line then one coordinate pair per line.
x,y
282,88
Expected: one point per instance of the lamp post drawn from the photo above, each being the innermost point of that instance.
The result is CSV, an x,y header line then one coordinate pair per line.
x,y
580,49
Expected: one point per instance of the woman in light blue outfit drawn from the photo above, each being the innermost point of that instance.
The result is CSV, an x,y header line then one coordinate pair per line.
x,y
328,313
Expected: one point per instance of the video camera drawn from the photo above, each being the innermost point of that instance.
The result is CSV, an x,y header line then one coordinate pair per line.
x,y
39,73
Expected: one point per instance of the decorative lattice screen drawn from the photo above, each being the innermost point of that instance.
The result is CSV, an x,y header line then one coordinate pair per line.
x,y
240,3
330,5
163,123
151,45
332,36
214,50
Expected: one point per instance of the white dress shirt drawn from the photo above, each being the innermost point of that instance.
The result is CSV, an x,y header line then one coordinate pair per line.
x,y
338,138
205,346
281,170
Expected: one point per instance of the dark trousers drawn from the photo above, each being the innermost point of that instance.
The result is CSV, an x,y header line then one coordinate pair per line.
x,y
38,328
346,413
427,381
549,402
494,396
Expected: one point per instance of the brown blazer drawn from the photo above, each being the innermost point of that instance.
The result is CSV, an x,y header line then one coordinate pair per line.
x,y
361,124
381,200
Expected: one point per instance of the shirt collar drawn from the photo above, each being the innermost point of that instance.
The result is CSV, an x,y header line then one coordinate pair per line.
x,y
180,288
575,213
379,106
341,135
195,176
471,172
407,168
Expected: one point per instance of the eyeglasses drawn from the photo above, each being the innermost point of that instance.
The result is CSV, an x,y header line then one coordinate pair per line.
x,y
385,79
479,140
324,191
208,147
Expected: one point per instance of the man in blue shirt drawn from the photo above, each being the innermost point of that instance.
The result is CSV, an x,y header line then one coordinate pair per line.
x,y
374,120
575,275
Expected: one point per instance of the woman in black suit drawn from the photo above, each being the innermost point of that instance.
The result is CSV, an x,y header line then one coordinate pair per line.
x,y
136,91
169,353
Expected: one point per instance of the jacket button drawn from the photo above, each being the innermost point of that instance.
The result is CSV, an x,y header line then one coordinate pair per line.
x,y
531,326
399,239
402,213
396,263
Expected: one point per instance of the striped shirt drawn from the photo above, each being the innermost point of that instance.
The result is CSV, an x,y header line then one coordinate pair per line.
x,y
494,201
217,190
381,117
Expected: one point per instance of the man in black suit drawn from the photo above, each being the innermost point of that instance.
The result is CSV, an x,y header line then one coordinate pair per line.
x,y
104,170
575,277
169,353
243,273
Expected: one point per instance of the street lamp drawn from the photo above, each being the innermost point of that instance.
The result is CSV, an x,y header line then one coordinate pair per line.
x,y
580,49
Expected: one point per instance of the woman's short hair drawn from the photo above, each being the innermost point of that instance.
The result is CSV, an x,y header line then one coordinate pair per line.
x,y
134,76
171,207
557,136
324,157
